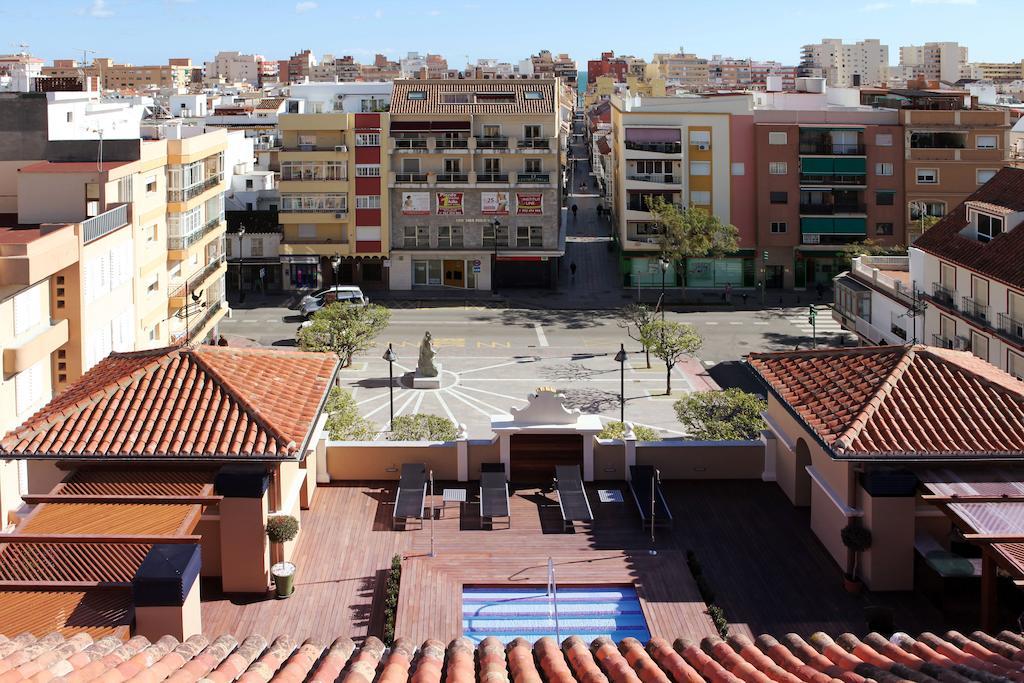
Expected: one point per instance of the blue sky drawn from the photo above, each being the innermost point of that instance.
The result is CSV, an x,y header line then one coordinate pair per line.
x,y
150,31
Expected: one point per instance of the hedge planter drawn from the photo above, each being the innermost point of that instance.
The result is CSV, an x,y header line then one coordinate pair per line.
x,y
284,578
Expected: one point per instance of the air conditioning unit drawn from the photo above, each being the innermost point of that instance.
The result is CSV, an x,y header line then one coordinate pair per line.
x,y
339,214
341,148
703,146
962,343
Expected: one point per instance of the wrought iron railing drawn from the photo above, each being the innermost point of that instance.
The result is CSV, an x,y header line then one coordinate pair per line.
x,y
190,192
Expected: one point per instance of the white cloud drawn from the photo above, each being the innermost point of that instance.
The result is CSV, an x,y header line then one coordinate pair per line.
x,y
876,7
944,2
305,6
98,9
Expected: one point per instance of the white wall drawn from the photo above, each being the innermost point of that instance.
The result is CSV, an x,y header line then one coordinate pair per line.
x,y
81,116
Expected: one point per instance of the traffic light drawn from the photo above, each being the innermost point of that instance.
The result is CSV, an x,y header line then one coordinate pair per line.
x,y
764,256
811,314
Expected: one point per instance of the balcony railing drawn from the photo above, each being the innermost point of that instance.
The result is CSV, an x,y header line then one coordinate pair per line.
x,y
410,177
411,143
661,147
105,223
196,190
898,324
533,177
665,178
829,148
533,143
831,209
944,295
452,143
196,321
942,342
309,177
493,142
291,208
813,179
175,242
975,311
492,177
198,278
453,177
1011,327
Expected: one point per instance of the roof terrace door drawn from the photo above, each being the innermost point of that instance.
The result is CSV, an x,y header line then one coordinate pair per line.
x,y
534,456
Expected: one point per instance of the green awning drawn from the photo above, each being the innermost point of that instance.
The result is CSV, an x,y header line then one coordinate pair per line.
x,y
851,166
817,166
850,226
817,225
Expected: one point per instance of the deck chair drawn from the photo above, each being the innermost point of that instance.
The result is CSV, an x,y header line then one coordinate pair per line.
x,y
572,497
641,477
494,495
412,493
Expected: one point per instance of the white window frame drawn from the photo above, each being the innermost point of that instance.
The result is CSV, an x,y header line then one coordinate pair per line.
x,y
977,175
367,170
700,165
883,168
934,172
779,227
978,142
987,235
367,139
778,168
778,137
367,201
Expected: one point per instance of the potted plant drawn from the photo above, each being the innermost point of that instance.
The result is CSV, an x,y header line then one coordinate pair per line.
x,y
280,530
857,539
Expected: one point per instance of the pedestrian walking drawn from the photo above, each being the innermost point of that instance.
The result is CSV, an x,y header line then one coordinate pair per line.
x,y
728,293
574,209
572,270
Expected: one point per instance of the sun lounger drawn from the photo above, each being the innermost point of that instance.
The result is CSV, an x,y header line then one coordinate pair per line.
x,y
640,482
572,497
494,496
412,493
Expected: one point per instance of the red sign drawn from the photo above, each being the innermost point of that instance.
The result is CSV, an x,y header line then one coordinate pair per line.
x,y
449,203
529,204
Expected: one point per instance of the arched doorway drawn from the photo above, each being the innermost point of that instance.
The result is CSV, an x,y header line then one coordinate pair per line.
x,y
801,478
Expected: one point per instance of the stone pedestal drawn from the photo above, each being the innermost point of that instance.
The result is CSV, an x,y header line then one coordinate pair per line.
x,y
423,382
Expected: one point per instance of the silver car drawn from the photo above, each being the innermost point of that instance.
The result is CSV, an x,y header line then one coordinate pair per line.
x,y
312,303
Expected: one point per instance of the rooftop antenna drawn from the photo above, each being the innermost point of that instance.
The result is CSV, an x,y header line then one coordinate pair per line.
x,y
23,47
85,54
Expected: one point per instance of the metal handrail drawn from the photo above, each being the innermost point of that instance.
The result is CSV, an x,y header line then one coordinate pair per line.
x,y
188,193
185,241
189,285
105,223
553,597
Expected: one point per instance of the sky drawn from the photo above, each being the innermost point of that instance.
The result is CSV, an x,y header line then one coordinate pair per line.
x,y
151,31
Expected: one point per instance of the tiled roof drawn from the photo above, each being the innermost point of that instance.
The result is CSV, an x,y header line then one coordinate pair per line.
x,y
929,658
900,401
432,104
270,103
222,402
1002,257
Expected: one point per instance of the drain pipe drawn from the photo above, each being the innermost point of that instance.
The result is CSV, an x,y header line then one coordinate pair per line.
x,y
553,595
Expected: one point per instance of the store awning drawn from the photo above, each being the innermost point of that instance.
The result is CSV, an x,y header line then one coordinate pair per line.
x,y
851,166
817,166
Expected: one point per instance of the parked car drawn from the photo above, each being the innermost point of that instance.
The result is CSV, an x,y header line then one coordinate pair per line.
x,y
339,293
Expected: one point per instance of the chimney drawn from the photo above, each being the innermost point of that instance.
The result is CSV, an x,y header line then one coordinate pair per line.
x,y
244,549
165,591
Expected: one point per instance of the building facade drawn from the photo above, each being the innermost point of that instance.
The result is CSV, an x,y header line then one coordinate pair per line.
x,y
686,70
177,73
846,65
935,61
475,184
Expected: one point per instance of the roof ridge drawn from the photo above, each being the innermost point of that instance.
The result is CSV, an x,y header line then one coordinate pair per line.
x,y
245,405
857,424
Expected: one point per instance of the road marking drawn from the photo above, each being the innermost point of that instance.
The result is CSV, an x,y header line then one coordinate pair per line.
x,y
490,367
736,322
710,323
541,337
455,394
491,393
759,323
444,405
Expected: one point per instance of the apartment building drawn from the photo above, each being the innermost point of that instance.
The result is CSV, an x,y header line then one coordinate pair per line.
x,y
961,287
344,69
351,98
726,72
695,151
334,225
829,172
18,73
784,76
607,65
994,71
683,69
846,65
234,67
177,73
475,183
935,61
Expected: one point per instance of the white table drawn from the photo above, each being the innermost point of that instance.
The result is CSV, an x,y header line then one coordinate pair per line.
x,y
452,496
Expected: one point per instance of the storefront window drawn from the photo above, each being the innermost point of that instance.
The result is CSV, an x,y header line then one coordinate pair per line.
x,y
706,272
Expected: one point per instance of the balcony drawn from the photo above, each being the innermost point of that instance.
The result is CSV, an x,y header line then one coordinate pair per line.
x,y
292,177
34,346
534,143
196,321
180,292
312,209
832,209
410,177
886,272
830,179
1012,328
452,143
876,335
943,342
104,224
660,147
975,311
831,149
410,143
492,177
543,178
195,190
452,178
175,243
663,178
943,295
492,142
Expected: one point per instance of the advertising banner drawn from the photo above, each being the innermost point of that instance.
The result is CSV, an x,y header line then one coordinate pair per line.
x,y
449,203
416,203
494,203
529,203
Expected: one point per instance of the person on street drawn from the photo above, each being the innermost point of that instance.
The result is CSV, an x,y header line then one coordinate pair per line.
x,y
574,209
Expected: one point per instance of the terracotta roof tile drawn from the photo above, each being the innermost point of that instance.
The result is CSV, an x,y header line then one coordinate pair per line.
x,y
181,402
912,401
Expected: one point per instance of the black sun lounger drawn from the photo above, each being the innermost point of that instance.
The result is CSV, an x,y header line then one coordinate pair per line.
x,y
494,496
412,493
641,477
572,497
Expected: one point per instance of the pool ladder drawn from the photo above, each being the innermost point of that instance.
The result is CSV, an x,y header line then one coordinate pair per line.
x,y
553,597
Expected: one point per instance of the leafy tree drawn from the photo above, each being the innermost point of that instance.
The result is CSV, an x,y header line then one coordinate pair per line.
x,y
344,423
670,341
422,427
617,430
729,415
868,247
691,232
344,329
634,319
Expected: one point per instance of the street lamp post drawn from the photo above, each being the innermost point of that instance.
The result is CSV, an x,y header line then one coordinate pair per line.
x,y
336,265
390,356
241,264
664,269
494,263
620,358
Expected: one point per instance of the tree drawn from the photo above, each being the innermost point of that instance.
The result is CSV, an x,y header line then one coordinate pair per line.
x,y
422,427
867,247
344,329
670,341
637,317
617,430
729,415
344,423
691,232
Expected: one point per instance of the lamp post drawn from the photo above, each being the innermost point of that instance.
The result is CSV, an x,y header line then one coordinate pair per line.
x,y
390,356
620,358
241,264
664,269
494,263
336,265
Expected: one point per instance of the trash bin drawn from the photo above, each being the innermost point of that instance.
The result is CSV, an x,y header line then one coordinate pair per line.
x,y
284,578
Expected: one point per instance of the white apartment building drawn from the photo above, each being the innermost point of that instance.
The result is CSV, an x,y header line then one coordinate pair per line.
x,y
935,61
846,65
349,98
18,72
234,67
960,287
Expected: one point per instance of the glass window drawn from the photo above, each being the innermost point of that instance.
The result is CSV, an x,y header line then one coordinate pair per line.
x,y
368,170
700,198
739,168
778,227
779,197
986,141
778,137
533,95
700,137
927,176
984,175
778,168
434,272
532,132
419,272
883,168
488,235
1015,365
885,198
883,228
700,168
536,236
989,227
417,95
368,201
367,139
883,139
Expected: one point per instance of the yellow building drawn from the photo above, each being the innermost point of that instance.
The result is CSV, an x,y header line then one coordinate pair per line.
x,y
992,71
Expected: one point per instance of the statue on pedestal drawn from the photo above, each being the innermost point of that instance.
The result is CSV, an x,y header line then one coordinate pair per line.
x,y
426,366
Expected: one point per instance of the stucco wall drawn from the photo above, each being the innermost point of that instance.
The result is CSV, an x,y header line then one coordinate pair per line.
x,y
889,564
481,451
382,460
703,459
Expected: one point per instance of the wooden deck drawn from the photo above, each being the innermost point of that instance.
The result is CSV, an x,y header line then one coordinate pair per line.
x,y
768,571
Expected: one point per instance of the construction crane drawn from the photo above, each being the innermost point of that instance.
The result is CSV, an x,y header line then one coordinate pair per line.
x,y
85,53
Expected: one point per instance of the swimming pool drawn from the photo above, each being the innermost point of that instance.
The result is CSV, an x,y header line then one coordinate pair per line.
x,y
526,612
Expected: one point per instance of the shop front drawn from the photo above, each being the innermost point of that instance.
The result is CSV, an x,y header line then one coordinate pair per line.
x,y
811,267
458,273
707,273
259,275
301,272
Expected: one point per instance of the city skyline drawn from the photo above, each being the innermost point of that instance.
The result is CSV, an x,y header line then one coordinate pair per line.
x,y
116,29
